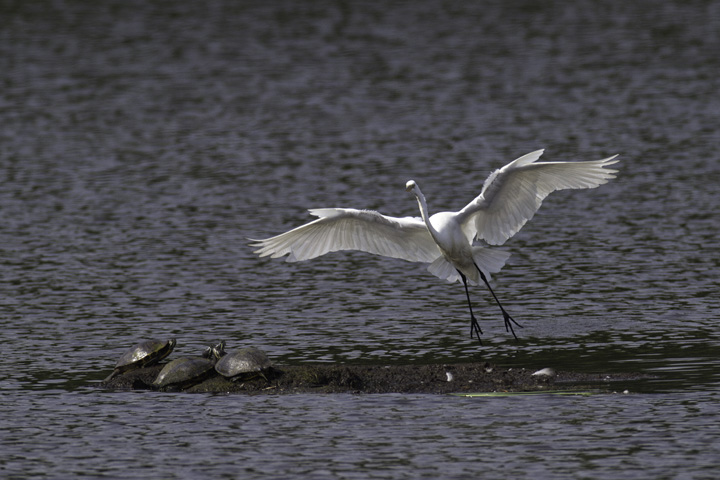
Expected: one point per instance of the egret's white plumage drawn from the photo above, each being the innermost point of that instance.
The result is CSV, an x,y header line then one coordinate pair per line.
x,y
509,197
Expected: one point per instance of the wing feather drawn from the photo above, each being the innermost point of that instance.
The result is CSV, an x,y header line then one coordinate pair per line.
x,y
349,229
511,195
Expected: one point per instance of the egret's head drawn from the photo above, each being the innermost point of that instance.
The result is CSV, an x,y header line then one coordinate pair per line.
x,y
410,186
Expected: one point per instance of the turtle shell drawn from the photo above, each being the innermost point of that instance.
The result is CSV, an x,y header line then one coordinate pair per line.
x,y
184,372
243,363
143,354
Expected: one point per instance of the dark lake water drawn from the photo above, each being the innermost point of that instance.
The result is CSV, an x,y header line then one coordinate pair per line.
x,y
141,143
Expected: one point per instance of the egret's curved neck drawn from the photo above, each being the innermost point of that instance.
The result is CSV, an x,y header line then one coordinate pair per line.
x,y
422,203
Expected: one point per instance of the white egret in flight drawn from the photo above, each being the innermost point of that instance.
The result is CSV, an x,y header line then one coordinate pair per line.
x,y
509,197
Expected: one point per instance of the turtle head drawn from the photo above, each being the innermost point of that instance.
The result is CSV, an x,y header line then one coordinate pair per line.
x,y
215,352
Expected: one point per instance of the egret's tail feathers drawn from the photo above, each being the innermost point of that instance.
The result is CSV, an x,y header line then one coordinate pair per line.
x,y
443,269
490,260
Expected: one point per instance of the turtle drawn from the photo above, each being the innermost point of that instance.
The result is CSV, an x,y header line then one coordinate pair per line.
x,y
243,364
187,371
184,372
215,352
143,354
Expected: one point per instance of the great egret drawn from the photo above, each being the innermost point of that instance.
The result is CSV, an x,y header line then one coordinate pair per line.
x,y
509,197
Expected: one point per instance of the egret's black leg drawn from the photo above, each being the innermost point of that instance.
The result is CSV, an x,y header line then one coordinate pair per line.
x,y
508,319
474,325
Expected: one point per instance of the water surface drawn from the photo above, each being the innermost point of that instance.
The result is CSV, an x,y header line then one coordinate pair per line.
x,y
142,143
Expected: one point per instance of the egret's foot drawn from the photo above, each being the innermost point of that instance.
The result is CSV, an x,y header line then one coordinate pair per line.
x,y
508,323
475,328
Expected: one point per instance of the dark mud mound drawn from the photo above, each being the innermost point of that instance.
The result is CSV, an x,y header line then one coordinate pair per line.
x,y
439,378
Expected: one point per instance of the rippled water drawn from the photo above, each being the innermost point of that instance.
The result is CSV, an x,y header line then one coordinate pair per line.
x,y
344,436
142,142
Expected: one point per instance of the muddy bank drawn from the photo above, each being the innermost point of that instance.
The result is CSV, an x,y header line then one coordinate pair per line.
x,y
437,379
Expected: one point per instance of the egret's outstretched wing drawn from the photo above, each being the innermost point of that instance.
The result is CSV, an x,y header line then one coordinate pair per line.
x,y
511,195
349,229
